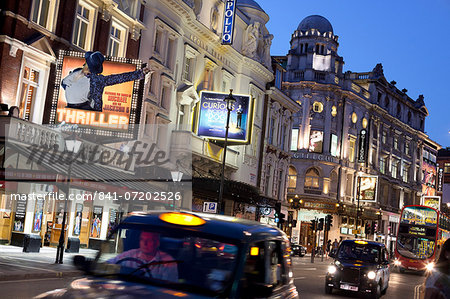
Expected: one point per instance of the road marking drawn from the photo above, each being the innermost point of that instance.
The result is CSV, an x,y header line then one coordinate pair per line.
x,y
309,269
38,279
17,265
299,278
23,259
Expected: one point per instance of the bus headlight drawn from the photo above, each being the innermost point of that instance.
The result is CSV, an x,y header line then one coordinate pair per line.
x,y
371,275
429,267
397,263
332,269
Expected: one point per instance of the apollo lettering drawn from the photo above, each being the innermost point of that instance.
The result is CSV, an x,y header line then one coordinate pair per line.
x,y
228,22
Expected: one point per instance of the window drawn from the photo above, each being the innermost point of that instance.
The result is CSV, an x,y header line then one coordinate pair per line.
x,y
292,178
318,107
171,54
383,165
44,13
271,130
158,41
278,78
394,169
407,148
399,109
30,84
267,179
283,137
447,167
165,97
312,179
405,173
384,137
333,111
208,79
130,7
351,149
396,143
188,62
334,145
294,140
117,40
354,117
84,26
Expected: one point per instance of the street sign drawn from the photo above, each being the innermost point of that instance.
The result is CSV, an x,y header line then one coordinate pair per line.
x,y
210,207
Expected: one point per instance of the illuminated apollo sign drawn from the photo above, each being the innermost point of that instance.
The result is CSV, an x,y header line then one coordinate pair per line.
x,y
72,101
228,22
212,117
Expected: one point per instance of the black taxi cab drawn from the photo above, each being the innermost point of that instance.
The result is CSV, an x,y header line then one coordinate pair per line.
x,y
197,256
359,266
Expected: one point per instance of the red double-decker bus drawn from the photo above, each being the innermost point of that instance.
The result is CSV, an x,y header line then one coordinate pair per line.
x,y
422,231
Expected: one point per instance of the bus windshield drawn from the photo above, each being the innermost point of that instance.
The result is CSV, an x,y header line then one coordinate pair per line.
x,y
417,232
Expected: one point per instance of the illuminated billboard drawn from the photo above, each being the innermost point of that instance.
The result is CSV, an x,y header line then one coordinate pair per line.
x,y
106,102
429,179
316,141
212,117
432,202
367,188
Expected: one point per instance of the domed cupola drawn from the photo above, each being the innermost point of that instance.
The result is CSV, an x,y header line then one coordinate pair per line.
x,y
313,54
315,22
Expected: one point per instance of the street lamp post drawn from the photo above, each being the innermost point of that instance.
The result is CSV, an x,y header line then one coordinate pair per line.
x,y
357,209
230,101
72,146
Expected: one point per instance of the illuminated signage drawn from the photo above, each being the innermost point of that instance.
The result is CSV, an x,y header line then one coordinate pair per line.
x,y
362,146
316,141
418,231
440,180
212,117
228,22
419,216
294,140
432,202
429,179
117,110
367,188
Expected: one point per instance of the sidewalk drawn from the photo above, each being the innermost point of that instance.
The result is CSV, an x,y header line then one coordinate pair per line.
x,y
16,265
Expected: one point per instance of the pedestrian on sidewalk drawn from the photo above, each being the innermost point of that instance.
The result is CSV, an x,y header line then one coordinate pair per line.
x,y
328,247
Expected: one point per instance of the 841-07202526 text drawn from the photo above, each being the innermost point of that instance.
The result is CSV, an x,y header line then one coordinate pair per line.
x,y
139,195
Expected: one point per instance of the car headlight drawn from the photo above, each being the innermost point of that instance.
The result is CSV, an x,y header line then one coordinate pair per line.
x,y
371,275
397,263
332,269
429,266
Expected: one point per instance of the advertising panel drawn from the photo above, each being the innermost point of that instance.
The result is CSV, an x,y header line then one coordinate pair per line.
x,y
367,188
107,101
429,179
316,141
212,117
432,202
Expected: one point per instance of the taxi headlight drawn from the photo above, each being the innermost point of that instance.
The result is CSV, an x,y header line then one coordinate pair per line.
x,y
397,263
429,266
371,275
332,269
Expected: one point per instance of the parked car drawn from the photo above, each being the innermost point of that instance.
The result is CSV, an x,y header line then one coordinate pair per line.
x,y
200,256
298,250
359,266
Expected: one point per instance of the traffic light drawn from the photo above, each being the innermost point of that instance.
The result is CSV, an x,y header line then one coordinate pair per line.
x,y
368,228
277,209
281,218
374,228
294,223
313,224
320,226
328,222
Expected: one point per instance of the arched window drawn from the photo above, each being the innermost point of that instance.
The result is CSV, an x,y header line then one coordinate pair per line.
x,y
292,177
312,179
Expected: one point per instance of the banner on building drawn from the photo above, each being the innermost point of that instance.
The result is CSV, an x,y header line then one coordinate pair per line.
x,y
431,201
429,179
107,105
212,117
228,22
367,188
316,141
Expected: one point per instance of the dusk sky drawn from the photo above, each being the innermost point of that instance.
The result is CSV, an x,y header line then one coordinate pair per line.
x,y
410,38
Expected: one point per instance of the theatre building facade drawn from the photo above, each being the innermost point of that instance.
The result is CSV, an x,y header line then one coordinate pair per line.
x,y
356,136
